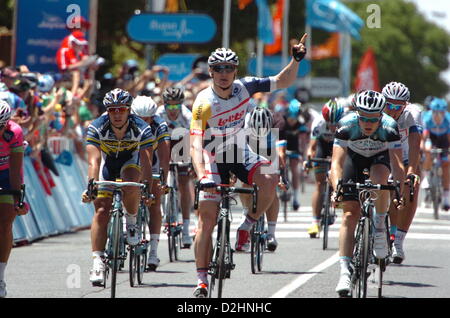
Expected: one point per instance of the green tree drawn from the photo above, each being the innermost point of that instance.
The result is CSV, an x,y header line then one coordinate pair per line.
x,y
408,48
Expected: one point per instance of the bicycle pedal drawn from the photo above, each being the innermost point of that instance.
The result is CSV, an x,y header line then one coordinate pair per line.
x,y
97,284
186,246
345,294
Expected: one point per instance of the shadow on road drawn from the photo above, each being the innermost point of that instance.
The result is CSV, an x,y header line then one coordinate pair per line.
x,y
166,285
406,284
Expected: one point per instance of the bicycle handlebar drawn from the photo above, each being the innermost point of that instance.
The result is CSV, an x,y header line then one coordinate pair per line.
x,y
20,193
225,189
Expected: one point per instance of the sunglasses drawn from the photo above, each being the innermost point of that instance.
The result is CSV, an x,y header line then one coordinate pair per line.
x,y
173,106
368,119
223,68
120,110
394,107
2,126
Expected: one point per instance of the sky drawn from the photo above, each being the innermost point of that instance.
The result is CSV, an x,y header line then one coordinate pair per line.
x,y
437,11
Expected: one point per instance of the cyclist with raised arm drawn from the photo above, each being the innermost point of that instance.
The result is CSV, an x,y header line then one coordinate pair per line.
x,y
119,146
178,118
321,146
264,142
365,139
436,124
410,127
145,108
218,117
11,163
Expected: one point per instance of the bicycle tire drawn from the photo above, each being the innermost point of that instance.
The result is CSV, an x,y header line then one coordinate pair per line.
x,y
253,250
361,260
260,244
221,257
434,193
115,252
132,268
170,231
285,210
325,218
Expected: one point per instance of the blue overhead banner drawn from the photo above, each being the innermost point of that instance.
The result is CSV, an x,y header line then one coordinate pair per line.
x,y
40,28
272,65
171,28
265,31
333,16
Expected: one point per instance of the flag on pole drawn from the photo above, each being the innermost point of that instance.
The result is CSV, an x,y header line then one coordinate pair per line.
x,y
265,32
333,16
328,49
277,23
367,74
243,3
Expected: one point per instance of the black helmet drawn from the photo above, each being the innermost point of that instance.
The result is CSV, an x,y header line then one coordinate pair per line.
x,y
173,94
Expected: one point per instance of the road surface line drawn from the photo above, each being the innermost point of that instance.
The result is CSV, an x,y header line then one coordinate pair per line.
x,y
302,279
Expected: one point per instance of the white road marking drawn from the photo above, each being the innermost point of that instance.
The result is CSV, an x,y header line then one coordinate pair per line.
x,y
302,279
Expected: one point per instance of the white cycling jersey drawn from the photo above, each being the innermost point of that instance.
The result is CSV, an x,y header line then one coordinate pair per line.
x,y
183,120
409,122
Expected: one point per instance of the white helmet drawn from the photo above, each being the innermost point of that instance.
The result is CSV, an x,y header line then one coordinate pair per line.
x,y
396,91
5,112
261,122
370,101
223,55
143,106
45,83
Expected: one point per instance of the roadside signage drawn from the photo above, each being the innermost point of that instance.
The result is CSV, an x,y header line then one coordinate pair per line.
x,y
180,65
171,28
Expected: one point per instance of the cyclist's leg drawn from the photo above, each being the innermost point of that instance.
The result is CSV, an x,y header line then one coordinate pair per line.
x,y
272,217
7,216
445,180
184,187
131,199
293,165
155,227
317,199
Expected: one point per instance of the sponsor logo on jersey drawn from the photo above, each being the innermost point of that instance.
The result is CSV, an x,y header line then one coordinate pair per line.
x,y
232,118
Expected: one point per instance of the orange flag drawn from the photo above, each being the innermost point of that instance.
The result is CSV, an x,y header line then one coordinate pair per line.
x,y
172,6
328,49
277,23
243,3
367,74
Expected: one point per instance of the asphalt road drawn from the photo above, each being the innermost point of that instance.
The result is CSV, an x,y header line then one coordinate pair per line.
x,y
58,267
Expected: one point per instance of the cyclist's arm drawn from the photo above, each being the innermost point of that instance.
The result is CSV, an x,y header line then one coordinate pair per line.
x,y
425,136
288,75
398,170
15,168
146,157
164,157
196,152
414,140
201,112
94,159
337,164
311,152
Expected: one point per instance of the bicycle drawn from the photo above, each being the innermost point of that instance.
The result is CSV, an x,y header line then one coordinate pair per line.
x,y
138,253
173,227
258,235
115,247
435,187
364,235
20,193
328,212
221,263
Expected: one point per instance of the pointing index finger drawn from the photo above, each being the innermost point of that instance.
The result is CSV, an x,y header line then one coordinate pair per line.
x,y
303,39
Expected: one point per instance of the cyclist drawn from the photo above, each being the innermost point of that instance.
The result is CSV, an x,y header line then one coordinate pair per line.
x,y
11,163
408,119
291,132
178,118
145,108
263,141
118,145
321,146
436,134
218,114
365,139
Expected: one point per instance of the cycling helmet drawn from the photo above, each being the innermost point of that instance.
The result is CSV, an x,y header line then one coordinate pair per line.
x,y
438,104
223,55
144,106
117,97
427,101
396,91
370,101
332,111
5,112
294,108
45,83
173,94
261,121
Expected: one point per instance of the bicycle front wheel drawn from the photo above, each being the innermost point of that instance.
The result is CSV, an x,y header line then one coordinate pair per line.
x,y
132,266
361,260
116,230
253,252
435,195
221,266
326,218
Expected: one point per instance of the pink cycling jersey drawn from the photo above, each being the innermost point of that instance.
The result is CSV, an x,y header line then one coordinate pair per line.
x,y
11,140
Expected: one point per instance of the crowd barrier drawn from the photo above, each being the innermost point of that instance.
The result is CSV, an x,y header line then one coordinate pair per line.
x,y
61,211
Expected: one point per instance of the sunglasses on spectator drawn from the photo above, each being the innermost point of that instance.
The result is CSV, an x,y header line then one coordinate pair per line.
x,y
223,68
2,126
393,107
120,110
173,106
368,119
